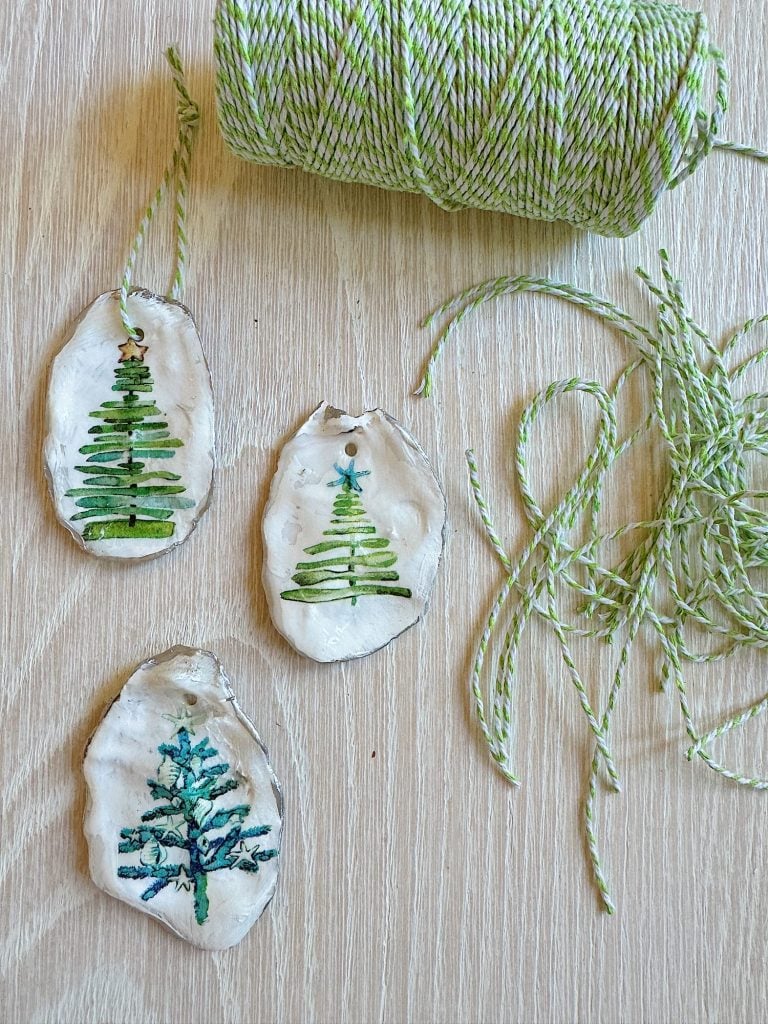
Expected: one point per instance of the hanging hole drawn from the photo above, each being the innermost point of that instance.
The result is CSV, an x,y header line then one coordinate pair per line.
x,y
138,334
351,449
190,698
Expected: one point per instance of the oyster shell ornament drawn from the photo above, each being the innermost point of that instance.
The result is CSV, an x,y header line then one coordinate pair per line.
x,y
184,814
129,448
353,534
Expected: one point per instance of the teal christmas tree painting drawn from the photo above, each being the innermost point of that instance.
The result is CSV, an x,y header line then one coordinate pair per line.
x,y
122,496
187,789
353,562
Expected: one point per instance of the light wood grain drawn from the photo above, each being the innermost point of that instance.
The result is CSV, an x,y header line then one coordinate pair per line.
x,y
415,885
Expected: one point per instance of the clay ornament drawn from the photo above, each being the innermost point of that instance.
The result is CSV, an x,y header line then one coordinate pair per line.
x,y
184,814
129,448
353,534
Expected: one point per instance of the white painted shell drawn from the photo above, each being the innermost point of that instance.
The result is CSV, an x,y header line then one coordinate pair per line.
x,y
353,534
145,494
154,768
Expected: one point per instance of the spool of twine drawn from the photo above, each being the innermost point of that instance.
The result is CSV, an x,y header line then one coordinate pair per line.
x,y
584,111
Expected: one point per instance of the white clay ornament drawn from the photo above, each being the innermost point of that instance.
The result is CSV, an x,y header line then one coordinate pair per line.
x,y
184,813
130,445
353,534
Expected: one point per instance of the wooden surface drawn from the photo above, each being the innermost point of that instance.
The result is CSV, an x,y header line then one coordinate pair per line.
x,y
415,886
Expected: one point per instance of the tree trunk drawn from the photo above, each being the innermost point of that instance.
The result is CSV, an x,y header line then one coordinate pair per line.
x,y
201,895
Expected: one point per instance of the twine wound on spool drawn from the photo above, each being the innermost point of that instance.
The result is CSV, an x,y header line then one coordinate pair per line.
x,y
693,571
584,111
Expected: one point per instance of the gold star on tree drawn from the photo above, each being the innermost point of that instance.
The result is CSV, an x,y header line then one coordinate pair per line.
x,y
131,349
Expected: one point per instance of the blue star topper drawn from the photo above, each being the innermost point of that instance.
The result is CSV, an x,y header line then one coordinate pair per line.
x,y
348,477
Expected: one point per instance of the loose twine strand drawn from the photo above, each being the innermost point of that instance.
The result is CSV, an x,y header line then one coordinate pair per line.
x,y
693,572
176,174
585,111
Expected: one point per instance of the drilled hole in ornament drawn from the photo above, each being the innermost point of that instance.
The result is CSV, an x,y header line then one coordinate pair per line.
x,y
190,698
351,449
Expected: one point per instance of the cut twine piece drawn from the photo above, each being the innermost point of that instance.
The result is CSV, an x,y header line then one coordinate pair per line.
x,y
693,572
585,111
177,173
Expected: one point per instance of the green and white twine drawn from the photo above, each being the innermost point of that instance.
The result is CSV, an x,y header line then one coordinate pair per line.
x,y
176,175
693,574
585,111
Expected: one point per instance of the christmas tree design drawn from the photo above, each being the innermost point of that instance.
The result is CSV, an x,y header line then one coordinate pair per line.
x,y
187,790
120,495
359,562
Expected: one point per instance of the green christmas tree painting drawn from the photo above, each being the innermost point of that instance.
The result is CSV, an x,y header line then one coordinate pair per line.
x,y
213,840
353,562
121,496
